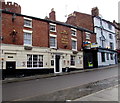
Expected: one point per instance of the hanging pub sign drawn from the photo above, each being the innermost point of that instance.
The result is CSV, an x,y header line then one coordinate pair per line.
x,y
94,45
86,45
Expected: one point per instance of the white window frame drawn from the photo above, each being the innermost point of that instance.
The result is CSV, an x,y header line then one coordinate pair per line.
x,y
73,39
28,19
88,35
72,29
54,36
30,32
38,61
51,24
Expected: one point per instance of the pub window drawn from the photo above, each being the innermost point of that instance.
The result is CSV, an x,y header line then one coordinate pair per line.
x,y
52,62
107,56
111,56
103,56
34,61
72,60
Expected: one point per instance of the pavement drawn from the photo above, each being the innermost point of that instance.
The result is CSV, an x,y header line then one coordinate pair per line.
x,y
109,94
10,80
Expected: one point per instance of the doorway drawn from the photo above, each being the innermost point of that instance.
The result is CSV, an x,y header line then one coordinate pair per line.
x,y
57,68
10,65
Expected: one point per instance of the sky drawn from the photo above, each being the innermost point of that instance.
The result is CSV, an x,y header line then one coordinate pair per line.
x,y
108,9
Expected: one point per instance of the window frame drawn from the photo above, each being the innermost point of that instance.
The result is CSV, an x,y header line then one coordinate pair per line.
x,y
111,45
53,36
38,61
75,32
111,56
88,35
30,21
51,24
103,57
74,40
110,36
30,33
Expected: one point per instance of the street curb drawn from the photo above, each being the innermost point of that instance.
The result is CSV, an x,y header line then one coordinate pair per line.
x,y
52,75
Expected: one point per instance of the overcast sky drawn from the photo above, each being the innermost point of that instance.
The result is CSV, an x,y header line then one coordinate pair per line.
x,y
41,8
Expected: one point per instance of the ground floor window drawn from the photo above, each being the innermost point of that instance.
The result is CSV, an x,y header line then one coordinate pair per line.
x,y
34,60
103,56
72,60
111,56
107,56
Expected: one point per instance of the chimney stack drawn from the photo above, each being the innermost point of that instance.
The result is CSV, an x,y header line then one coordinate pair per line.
x,y
95,11
52,15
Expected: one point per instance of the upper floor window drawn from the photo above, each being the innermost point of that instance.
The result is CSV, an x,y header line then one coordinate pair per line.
x,y
28,22
74,44
110,36
87,35
111,45
73,32
27,37
110,26
53,41
52,27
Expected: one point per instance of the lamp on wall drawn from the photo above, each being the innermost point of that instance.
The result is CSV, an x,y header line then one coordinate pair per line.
x,y
13,34
13,17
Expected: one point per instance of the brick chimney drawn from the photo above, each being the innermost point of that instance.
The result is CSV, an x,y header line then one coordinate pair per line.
x,y
95,11
52,15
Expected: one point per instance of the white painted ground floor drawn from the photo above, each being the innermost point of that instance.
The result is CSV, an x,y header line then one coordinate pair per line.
x,y
17,57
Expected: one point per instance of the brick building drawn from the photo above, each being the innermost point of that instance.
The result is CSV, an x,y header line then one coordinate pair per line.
x,y
89,41
44,45
103,52
117,30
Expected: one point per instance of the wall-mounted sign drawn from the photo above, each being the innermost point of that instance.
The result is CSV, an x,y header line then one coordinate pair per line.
x,y
94,45
10,56
64,32
64,39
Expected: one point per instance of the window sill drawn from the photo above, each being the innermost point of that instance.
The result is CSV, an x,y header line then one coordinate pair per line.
x,y
27,26
28,47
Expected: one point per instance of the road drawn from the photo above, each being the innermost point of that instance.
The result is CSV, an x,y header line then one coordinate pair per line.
x,y
26,89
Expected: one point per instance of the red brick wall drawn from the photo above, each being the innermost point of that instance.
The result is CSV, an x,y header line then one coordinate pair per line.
x,y
82,20
8,26
39,28
40,33
63,37
12,7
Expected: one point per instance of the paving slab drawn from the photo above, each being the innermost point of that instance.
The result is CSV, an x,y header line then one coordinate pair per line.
x,y
109,94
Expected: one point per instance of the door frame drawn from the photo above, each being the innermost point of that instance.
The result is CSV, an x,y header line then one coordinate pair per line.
x,y
60,64
11,62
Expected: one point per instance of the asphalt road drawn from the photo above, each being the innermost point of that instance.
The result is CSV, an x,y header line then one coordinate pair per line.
x,y
27,89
